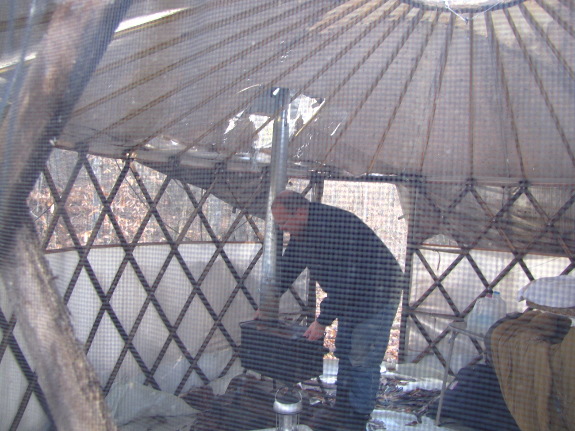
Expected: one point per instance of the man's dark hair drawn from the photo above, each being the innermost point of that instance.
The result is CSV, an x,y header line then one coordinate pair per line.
x,y
291,201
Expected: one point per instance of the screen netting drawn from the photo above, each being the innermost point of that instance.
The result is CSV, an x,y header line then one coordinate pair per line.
x,y
156,274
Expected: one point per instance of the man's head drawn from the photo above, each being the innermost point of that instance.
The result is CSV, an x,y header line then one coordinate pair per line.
x,y
290,210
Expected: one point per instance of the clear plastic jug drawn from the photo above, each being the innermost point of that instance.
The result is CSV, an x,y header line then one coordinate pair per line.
x,y
486,312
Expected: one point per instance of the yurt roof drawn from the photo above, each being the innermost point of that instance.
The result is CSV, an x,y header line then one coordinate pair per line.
x,y
446,91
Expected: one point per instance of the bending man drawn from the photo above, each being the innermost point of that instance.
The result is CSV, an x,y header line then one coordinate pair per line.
x,y
362,280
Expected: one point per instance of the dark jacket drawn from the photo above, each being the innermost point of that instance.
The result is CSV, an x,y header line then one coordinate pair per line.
x,y
348,260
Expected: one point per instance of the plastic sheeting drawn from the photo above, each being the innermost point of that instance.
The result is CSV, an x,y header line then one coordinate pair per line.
x,y
136,407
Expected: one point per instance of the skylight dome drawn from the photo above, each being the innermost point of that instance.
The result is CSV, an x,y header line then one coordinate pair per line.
x,y
465,6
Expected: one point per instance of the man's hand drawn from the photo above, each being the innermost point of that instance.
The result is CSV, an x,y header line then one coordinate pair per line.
x,y
315,331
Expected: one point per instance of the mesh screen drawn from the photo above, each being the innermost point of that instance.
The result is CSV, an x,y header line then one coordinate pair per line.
x,y
149,280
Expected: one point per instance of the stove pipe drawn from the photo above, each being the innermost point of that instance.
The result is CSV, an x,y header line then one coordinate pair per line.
x,y
269,300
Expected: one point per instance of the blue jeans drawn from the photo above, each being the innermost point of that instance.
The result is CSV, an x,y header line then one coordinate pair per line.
x,y
360,348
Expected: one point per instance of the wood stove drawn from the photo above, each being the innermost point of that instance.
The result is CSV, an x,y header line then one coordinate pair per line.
x,y
280,351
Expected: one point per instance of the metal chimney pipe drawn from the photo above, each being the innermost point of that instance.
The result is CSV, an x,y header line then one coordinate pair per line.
x,y
269,300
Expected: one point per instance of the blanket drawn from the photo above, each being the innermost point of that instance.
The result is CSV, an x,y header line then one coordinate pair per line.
x,y
532,355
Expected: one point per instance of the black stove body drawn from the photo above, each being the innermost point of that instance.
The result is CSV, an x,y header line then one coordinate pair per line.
x,y
280,351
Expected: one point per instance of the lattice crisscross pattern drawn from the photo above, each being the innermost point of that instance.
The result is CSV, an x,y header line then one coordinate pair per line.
x,y
519,221
89,205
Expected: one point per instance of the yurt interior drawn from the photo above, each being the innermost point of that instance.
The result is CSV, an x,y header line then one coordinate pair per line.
x,y
143,144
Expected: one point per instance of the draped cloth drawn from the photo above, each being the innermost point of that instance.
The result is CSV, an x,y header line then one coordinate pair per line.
x,y
532,356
